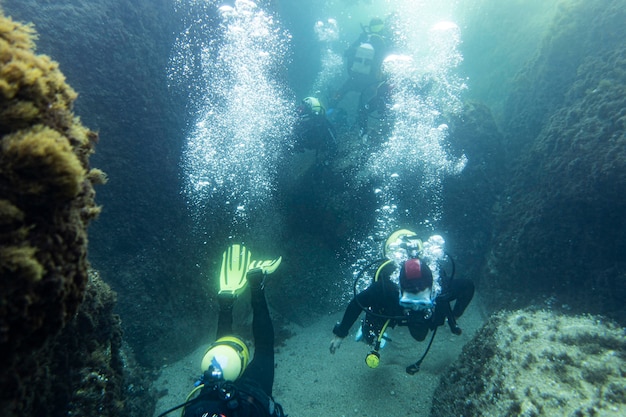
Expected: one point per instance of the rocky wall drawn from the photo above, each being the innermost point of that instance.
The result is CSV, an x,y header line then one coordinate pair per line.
x,y
85,370
560,230
537,363
468,199
46,197
60,344
115,52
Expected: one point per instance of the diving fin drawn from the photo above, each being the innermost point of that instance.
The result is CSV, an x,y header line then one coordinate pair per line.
x,y
266,266
235,261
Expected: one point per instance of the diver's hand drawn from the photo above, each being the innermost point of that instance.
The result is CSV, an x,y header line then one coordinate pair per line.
x,y
335,344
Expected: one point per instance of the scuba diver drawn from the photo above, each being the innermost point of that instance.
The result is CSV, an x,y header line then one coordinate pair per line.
x,y
405,293
312,129
229,385
364,59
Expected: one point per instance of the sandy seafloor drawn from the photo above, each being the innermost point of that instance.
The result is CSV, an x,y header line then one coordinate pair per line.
x,y
310,382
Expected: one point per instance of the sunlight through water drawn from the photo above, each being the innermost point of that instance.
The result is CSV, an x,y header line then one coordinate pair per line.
x,y
426,93
414,159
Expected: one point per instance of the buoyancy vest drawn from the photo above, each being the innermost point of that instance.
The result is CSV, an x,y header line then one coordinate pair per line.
x,y
233,400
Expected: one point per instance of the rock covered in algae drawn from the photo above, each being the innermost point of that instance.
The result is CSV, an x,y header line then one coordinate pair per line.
x,y
559,225
46,203
538,363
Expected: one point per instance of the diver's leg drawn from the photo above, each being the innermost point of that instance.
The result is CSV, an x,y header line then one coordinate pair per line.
x,y
261,369
225,317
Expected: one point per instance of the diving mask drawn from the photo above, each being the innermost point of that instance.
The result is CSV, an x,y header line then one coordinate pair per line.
x,y
417,301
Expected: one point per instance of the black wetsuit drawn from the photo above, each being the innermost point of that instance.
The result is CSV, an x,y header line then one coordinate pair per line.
x,y
314,131
254,388
382,298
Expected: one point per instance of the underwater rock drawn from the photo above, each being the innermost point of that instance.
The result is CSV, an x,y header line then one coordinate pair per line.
x,y
60,344
104,378
468,198
46,195
559,230
125,95
531,363
85,370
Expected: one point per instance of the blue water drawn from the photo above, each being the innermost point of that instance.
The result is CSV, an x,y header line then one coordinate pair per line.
x,y
500,142
244,104
195,106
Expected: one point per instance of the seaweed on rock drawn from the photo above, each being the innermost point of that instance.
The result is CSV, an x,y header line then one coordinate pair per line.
x,y
525,363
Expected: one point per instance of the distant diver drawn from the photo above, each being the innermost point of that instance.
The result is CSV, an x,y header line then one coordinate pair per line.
x,y
312,130
364,60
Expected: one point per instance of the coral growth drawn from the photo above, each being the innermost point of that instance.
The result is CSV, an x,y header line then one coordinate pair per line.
x,y
80,370
40,164
531,363
46,203
83,371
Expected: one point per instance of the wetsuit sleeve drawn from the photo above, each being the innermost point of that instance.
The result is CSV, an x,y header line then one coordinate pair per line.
x,y
464,289
459,290
261,368
353,311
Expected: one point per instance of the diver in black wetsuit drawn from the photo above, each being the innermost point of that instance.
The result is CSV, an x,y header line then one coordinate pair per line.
x,y
383,297
410,304
229,386
312,129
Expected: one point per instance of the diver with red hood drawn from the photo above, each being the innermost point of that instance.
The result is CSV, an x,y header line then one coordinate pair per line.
x,y
405,293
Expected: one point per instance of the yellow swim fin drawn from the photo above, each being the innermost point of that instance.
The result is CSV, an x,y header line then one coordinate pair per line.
x,y
235,261
266,266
